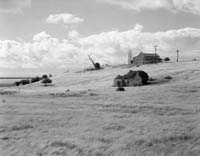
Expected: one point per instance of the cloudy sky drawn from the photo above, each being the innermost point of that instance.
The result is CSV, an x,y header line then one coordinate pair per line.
x,y
59,34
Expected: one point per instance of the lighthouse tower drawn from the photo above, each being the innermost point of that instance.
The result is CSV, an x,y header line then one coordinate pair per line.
x,y
129,57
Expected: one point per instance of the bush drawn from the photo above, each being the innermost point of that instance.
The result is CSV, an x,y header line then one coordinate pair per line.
x,y
35,79
46,80
166,59
17,83
97,65
23,82
44,76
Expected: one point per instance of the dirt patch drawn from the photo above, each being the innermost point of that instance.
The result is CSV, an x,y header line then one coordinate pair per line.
x,y
165,110
67,94
7,92
105,140
114,126
166,140
62,148
74,94
176,145
16,128
158,81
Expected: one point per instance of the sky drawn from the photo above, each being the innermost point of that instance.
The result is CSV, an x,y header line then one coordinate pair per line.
x,y
58,35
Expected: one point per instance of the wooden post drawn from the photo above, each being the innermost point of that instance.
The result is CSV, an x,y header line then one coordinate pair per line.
x,y
177,51
155,46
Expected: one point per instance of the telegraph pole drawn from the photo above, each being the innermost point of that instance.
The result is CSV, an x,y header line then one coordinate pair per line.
x,y
177,51
155,47
129,57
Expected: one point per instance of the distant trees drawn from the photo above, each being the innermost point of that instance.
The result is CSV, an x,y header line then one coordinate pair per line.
x,y
46,81
44,76
32,80
22,82
35,79
166,59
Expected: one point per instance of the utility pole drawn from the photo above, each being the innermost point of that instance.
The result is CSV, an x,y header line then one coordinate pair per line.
x,y
155,47
177,51
129,57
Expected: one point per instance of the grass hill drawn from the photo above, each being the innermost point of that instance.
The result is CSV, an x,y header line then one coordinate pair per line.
x,y
81,114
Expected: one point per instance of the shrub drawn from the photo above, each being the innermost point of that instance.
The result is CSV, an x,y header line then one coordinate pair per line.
x,y
44,76
168,77
17,83
35,79
46,81
120,89
166,59
24,82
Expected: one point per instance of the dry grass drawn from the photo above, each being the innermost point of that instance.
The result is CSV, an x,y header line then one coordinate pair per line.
x,y
92,119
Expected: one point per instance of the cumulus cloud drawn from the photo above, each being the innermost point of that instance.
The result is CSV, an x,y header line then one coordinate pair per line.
x,y
40,36
190,6
107,47
13,6
65,18
116,44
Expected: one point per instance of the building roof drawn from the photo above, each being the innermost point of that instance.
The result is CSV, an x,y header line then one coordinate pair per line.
x,y
148,54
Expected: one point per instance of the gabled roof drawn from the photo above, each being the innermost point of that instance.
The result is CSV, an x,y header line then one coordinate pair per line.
x,y
149,54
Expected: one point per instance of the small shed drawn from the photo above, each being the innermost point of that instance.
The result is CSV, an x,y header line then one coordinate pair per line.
x,y
145,58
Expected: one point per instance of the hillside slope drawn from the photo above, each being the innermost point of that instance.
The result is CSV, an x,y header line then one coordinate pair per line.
x,y
83,115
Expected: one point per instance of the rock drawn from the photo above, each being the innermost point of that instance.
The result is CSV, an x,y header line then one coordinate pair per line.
x,y
168,77
120,89
5,138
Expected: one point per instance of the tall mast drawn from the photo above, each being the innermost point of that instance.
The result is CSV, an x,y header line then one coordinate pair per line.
x,y
129,57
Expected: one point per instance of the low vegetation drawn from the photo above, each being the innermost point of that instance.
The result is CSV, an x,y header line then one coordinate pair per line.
x,y
32,80
83,115
46,81
166,59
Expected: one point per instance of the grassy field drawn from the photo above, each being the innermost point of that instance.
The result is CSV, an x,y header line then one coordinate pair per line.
x,y
81,114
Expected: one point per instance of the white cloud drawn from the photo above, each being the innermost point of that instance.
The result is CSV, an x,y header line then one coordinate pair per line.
x,y
190,6
107,47
138,28
13,6
41,36
73,34
66,18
